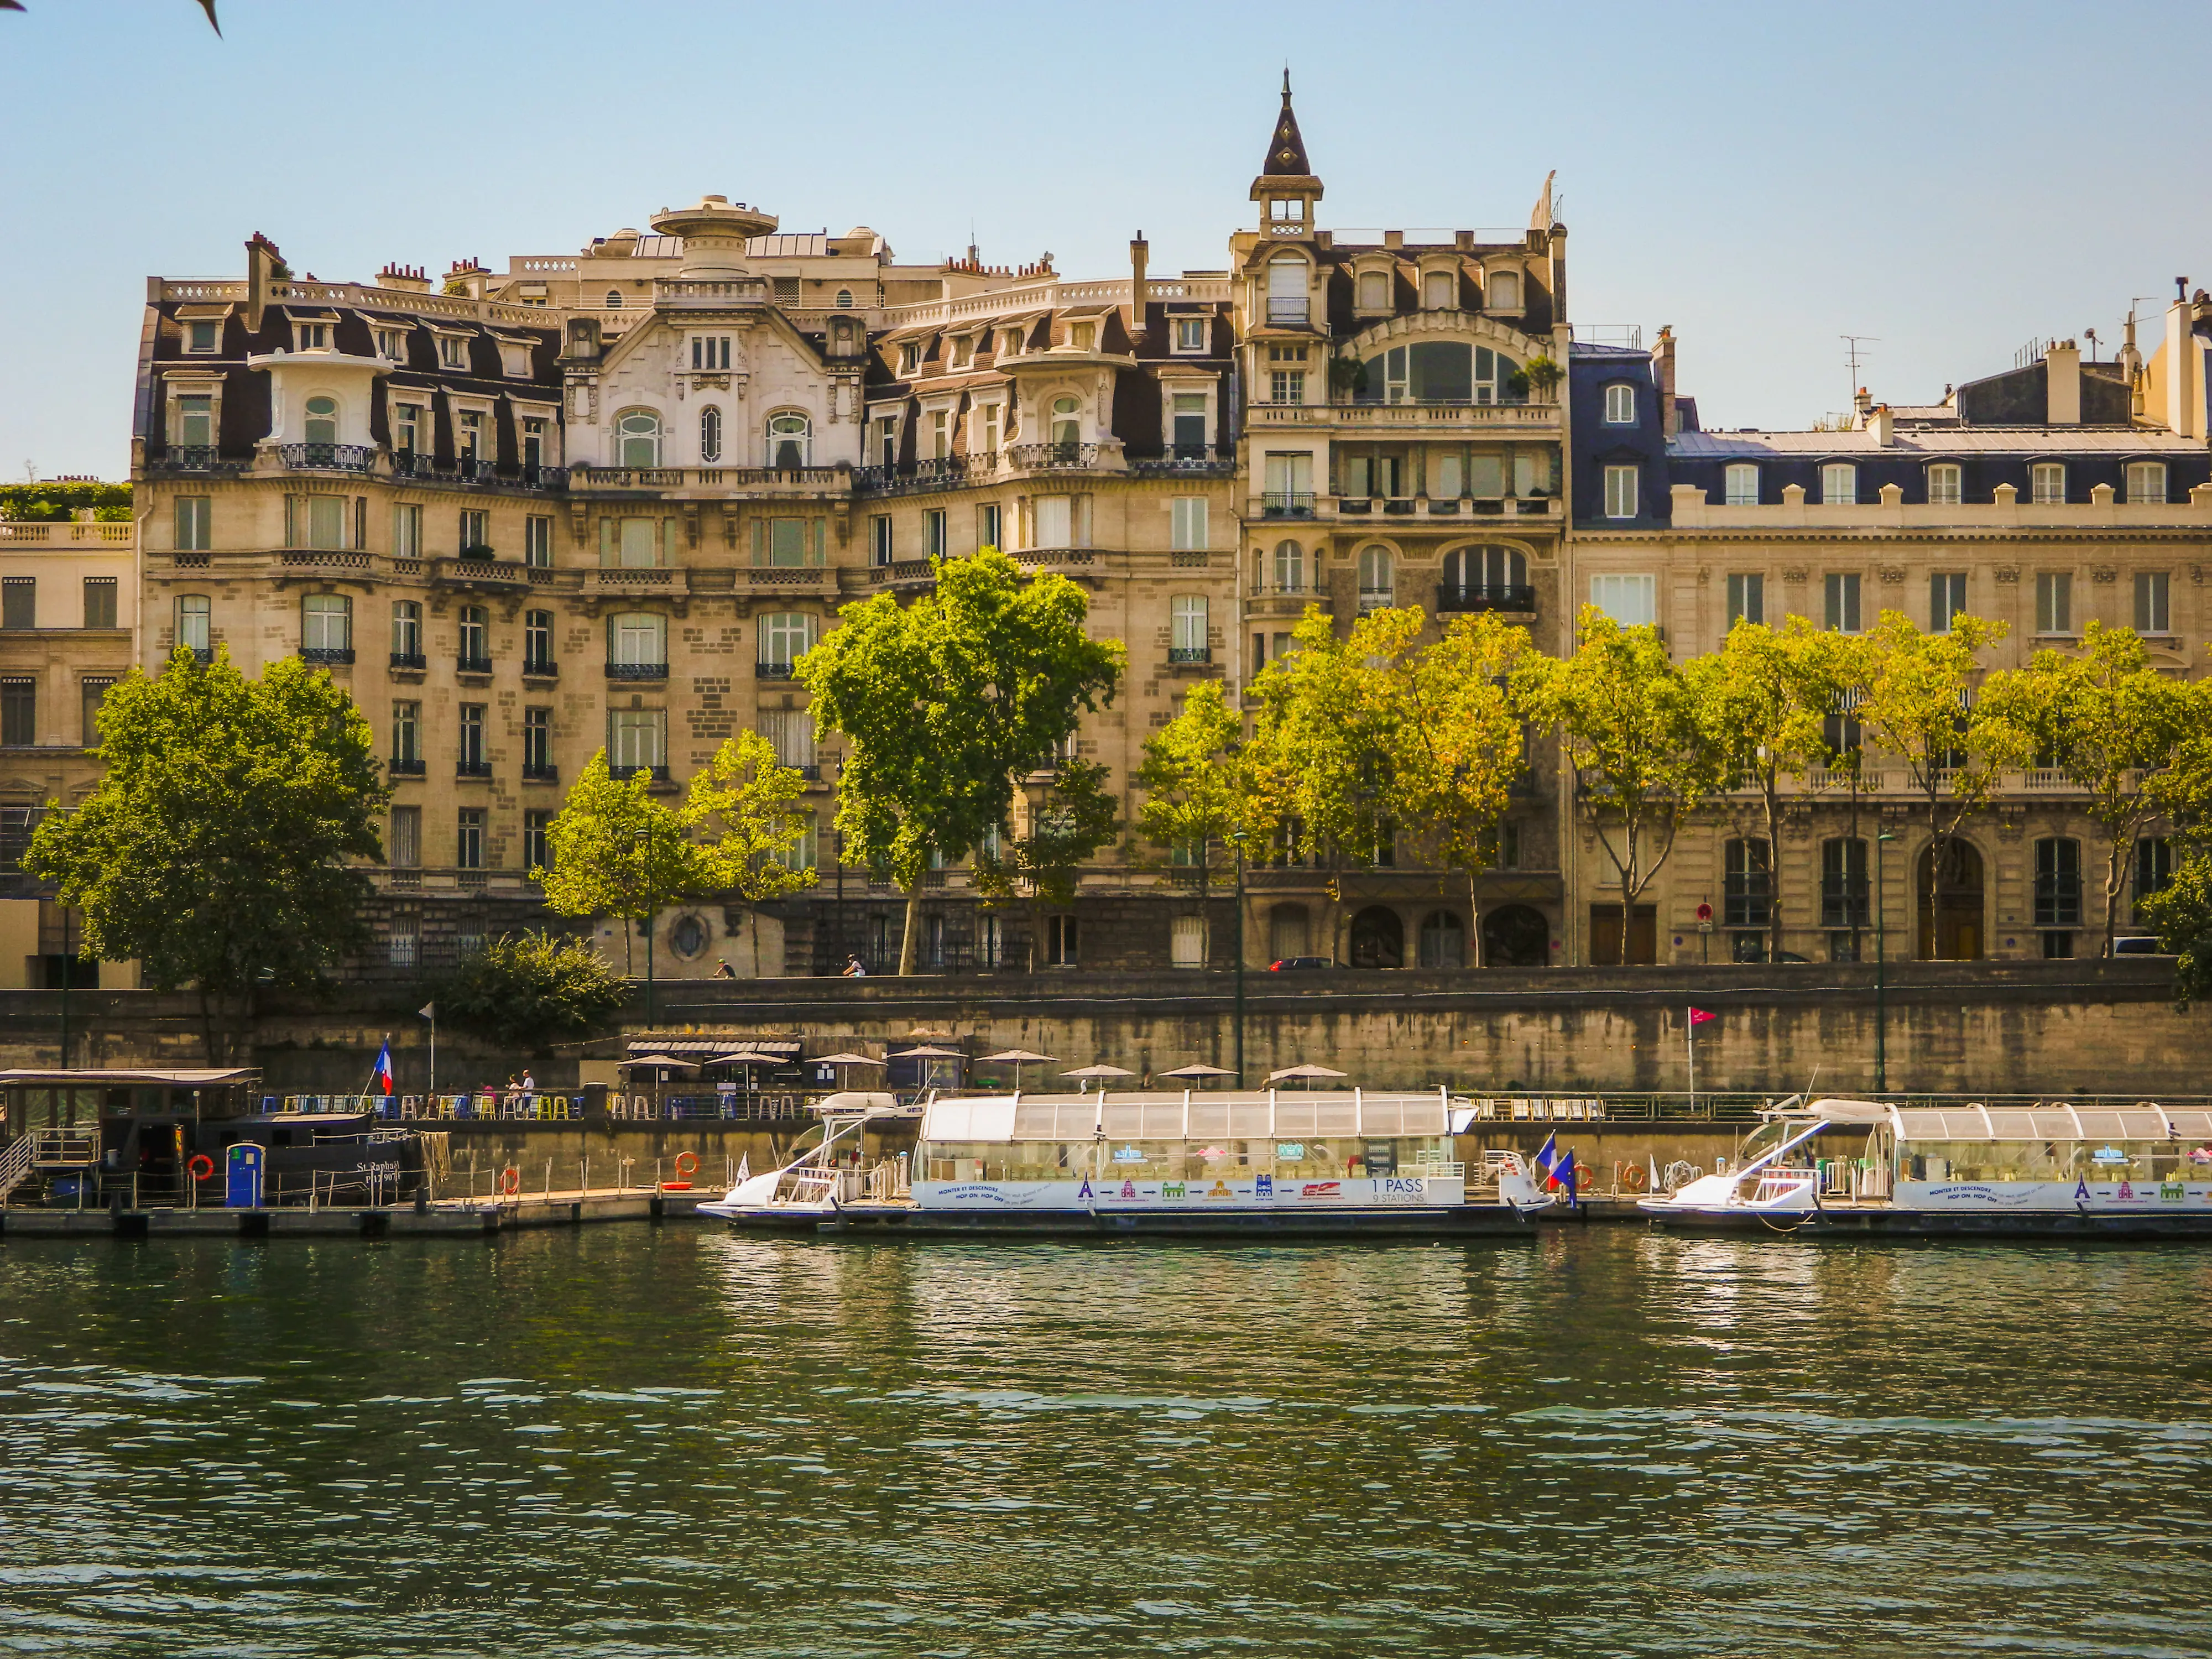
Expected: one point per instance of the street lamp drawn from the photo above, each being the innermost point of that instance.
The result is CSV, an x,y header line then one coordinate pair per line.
x,y
1237,840
1880,962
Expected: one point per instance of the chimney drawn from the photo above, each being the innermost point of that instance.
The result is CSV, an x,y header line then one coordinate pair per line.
x,y
265,272
2062,384
1139,295
1862,403
1880,423
2185,392
1662,369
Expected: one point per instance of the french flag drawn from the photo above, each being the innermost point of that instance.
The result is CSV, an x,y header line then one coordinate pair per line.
x,y
382,1075
1558,1167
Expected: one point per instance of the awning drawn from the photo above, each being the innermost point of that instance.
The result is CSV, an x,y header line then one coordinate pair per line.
x,y
197,1080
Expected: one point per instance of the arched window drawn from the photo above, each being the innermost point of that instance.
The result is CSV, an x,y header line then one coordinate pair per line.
x,y
710,433
790,442
1748,886
637,438
1515,936
1286,290
614,299
1505,290
322,424
1378,938
1373,290
1067,422
1490,574
1443,941
1290,568
1439,290
844,299
1621,405
1377,578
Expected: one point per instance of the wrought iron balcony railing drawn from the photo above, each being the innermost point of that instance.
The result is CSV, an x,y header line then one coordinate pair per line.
x,y
472,769
404,769
1488,596
410,659
1287,504
637,671
328,656
465,664
327,458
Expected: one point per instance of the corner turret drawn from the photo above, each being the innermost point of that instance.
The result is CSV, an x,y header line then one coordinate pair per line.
x,y
1286,187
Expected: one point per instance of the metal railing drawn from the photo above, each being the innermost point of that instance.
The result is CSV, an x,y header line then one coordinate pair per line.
x,y
1053,457
1287,504
327,458
327,655
472,664
1489,596
637,671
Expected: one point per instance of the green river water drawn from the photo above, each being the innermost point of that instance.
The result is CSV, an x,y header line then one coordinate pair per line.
x,y
642,1442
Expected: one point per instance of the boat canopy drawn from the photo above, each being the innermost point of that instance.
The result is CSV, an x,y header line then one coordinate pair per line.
x,y
2057,1120
1299,1115
35,1078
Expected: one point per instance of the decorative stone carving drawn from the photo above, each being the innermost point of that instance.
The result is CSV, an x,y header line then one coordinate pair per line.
x,y
2102,574
1704,575
2008,573
1893,575
1795,573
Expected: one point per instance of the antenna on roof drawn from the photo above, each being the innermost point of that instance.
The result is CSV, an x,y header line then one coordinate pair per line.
x,y
1854,359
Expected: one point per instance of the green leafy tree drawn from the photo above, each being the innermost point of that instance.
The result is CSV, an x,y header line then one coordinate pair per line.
x,y
1071,815
2113,724
946,702
1198,787
1921,709
1629,722
2181,915
223,845
531,990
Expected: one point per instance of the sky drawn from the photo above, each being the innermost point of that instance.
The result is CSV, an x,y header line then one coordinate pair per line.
x,y
1948,179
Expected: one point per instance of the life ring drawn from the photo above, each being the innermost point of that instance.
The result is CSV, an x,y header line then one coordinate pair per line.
x,y
200,1166
510,1181
687,1165
1632,1176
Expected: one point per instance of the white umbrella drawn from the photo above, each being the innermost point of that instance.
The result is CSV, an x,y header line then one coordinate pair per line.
x,y
1304,1073
926,1052
1087,1074
1018,1058
1197,1072
841,1060
666,1062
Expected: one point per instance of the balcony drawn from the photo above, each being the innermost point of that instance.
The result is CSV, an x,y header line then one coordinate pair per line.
x,y
938,472
1378,599
322,558
772,670
1053,458
472,769
786,576
544,772
327,458
414,661
627,769
468,665
327,656
1500,596
1410,418
639,578
1181,656
473,470
1287,504
540,668
714,480
1289,311
904,572
403,769
481,572
195,458
1187,460
637,671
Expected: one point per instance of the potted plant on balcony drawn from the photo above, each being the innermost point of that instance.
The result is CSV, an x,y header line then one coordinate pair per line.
x,y
1347,377
1540,374
478,551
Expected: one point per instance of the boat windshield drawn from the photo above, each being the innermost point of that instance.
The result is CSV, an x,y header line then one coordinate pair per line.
x,y
1769,1135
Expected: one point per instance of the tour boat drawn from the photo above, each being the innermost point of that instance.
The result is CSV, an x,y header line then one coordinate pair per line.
x,y
1269,1163
1861,1166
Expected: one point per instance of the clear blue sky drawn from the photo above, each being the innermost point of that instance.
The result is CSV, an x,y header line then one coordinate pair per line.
x,y
1951,178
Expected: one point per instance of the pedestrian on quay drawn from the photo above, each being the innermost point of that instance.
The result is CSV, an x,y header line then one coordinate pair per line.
x,y
852,968
723,970
513,1100
529,1093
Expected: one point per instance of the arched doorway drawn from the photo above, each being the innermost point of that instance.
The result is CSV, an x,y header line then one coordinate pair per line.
x,y
1950,930
1515,936
1378,938
1286,932
1443,941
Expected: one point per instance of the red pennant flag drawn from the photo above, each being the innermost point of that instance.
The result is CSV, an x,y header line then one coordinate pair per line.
x,y
1698,1016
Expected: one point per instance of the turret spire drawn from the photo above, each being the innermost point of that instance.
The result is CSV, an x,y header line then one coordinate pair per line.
x,y
1285,173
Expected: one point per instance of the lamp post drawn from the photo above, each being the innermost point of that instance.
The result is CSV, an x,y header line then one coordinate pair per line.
x,y
1237,840
1881,963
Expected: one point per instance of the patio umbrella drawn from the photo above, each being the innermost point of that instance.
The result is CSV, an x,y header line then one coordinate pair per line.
x,y
662,1062
926,1052
1198,1072
1087,1073
841,1060
1018,1058
1302,1073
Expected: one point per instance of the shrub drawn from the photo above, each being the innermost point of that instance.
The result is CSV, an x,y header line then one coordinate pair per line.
x,y
528,990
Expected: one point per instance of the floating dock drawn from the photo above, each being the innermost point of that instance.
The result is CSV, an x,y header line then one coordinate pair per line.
x,y
448,1218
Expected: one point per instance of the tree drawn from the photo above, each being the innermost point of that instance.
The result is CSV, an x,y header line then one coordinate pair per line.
x,y
742,806
529,991
1920,705
1198,787
1070,816
946,701
2113,724
2181,915
223,846
1629,722
1765,697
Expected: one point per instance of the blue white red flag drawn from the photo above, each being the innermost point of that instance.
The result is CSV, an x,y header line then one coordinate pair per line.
x,y
1558,1167
382,1075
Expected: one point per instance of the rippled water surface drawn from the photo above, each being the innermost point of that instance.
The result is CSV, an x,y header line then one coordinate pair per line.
x,y
634,1442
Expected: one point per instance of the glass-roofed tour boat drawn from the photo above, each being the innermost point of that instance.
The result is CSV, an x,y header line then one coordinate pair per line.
x,y
2050,1169
1271,1162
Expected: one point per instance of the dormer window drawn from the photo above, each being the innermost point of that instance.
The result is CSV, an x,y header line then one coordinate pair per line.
x,y
1505,290
392,344
1621,405
963,351
515,359
1286,291
1374,291
310,336
203,335
1084,336
710,351
1439,290
469,434
1946,484
1011,345
452,352
1190,334
910,358
409,428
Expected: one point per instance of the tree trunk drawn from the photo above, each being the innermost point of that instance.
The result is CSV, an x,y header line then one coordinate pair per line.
x,y
1772,793
1473,921
2115,878
1853,902
912,930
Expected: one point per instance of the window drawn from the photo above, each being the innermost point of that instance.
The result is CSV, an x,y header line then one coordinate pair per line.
x,y
537,743
537,641
1946,484
476,532
879,538
2054,602
1286,291
406,531
202,334
1187,942
19,712
2057,883
404,850
538,542
710,435
472,750
1621,405
2152,615
1844,885
1290,568
326,627
940,434
193,519
987,430
1445,484
1495,571
783,541
710,351
786,290
1747,597
312,336
1505,290
790,732
790,442
987,526
1188,637
1620,492
785,637
638,639
316,521
1190,334
844,299
1188,525
469,841
192,628
1947,598
392,344
1842,595
1054,521
1748,885
1287,385
637,438
1631,601
196,423
452,352
406,634
1060,941
613,301
910,359
2146,481
93,690
1439,290
536,840
1843,737
636,739
1377,578
1373,290
407,735
99,601
2154,867
933,532
321,425
1067,422
533,446
1839,483
1740,486
2046,482
409,428
476,639
1187,410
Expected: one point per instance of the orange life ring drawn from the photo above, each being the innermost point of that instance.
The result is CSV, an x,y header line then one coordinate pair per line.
x,y
687,1165
510,1181
1632,1176
200,1166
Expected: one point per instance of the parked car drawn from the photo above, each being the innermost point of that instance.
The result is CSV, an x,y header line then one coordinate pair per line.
x,y
1288,963
2139,944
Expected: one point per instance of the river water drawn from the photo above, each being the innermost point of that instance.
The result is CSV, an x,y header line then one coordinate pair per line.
x,y
642,1442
